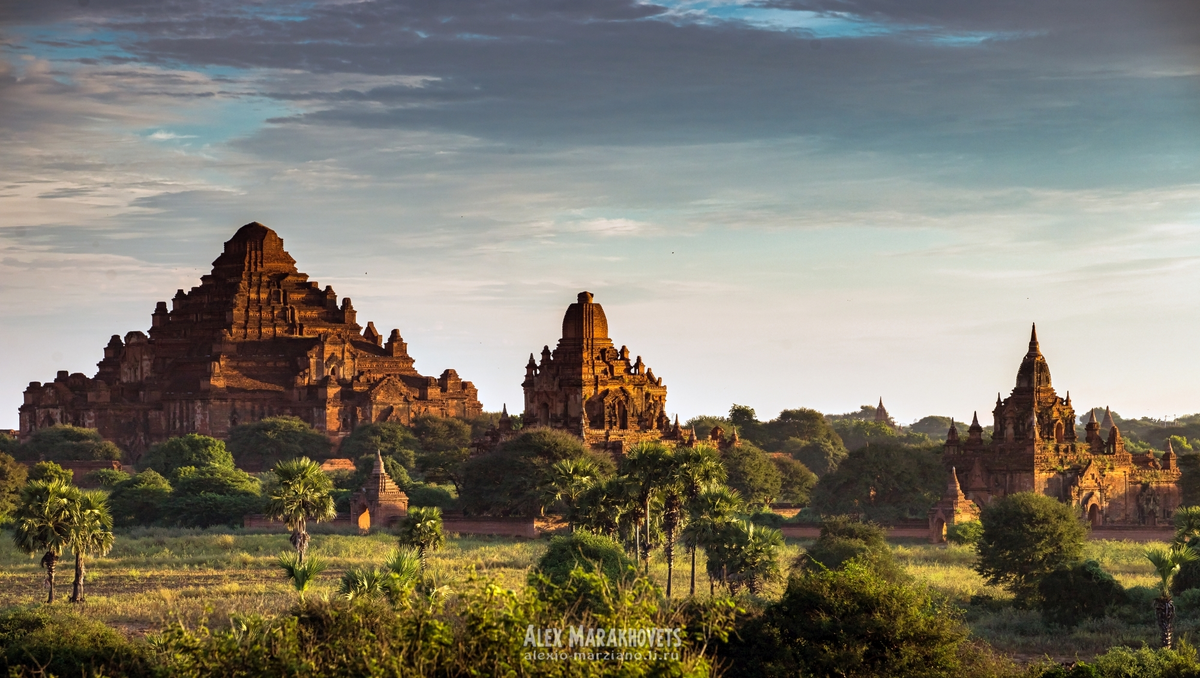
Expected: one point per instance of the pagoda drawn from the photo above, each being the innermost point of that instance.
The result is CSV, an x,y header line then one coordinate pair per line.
x,y
1035,448
593,389
256,338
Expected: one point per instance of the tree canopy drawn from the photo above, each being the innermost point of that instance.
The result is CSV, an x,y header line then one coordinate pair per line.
x,y
750,471
188,450
67,443
511,480
389,438
260,444
883,481
1026,536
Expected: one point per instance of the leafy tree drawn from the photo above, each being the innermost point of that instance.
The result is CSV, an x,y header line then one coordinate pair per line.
x,y
1166,564
8,445
49,471
190,450
13,476
857,433
68,443
750,471
1078,591
743,417
821,456
1026,536
90,534
1189,480
442,434
212,495
883,482
796,481
1187,533
605,506
851,623
260,444
299,492
107,477
422,530
139,500
510,481
300,572
391,439
43,523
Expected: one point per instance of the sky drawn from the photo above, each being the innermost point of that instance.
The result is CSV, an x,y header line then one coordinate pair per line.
x,y
779,203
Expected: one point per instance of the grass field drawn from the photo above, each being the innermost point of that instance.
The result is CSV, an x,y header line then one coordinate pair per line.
x,y
156,575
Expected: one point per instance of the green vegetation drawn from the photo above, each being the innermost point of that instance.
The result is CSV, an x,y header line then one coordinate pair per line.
x,y
883,481
299,492
590,552
66,443
49,471
263,443
190,450
422,530
1026,536
1072,593
13,476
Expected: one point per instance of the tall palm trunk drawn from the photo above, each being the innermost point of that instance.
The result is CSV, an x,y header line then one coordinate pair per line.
x,y
692,588
670,522
300,541
77,589
421,557
1164,614
48,561
646,545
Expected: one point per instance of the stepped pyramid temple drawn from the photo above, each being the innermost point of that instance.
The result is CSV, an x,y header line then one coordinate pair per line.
x,y
591,388
1035,448
255,339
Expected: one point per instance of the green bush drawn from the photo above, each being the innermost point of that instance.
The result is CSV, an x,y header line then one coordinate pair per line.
x,y
422,494
364,465
1075,592
1026,536
50,471
850,623
587,551
965,533
844,539
212,495
67,443
107,477
47,641
1124,662
13,476
190,450
139,500
796,481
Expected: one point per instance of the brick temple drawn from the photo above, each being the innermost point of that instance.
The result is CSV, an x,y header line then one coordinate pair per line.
x,y
591,388
255,339
1035,447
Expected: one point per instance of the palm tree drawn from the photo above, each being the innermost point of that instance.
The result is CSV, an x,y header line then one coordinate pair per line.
x,y
708,517
302,573
758,560
422,528
43,523
1187,525
300,492
648,465
605,506
404,572
568,479
362,582
695,468
90,534
1166,563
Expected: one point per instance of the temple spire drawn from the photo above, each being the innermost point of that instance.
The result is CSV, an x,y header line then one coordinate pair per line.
x,y
1033,342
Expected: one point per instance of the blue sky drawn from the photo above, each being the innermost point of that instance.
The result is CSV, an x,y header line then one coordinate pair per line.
x,y
782,203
